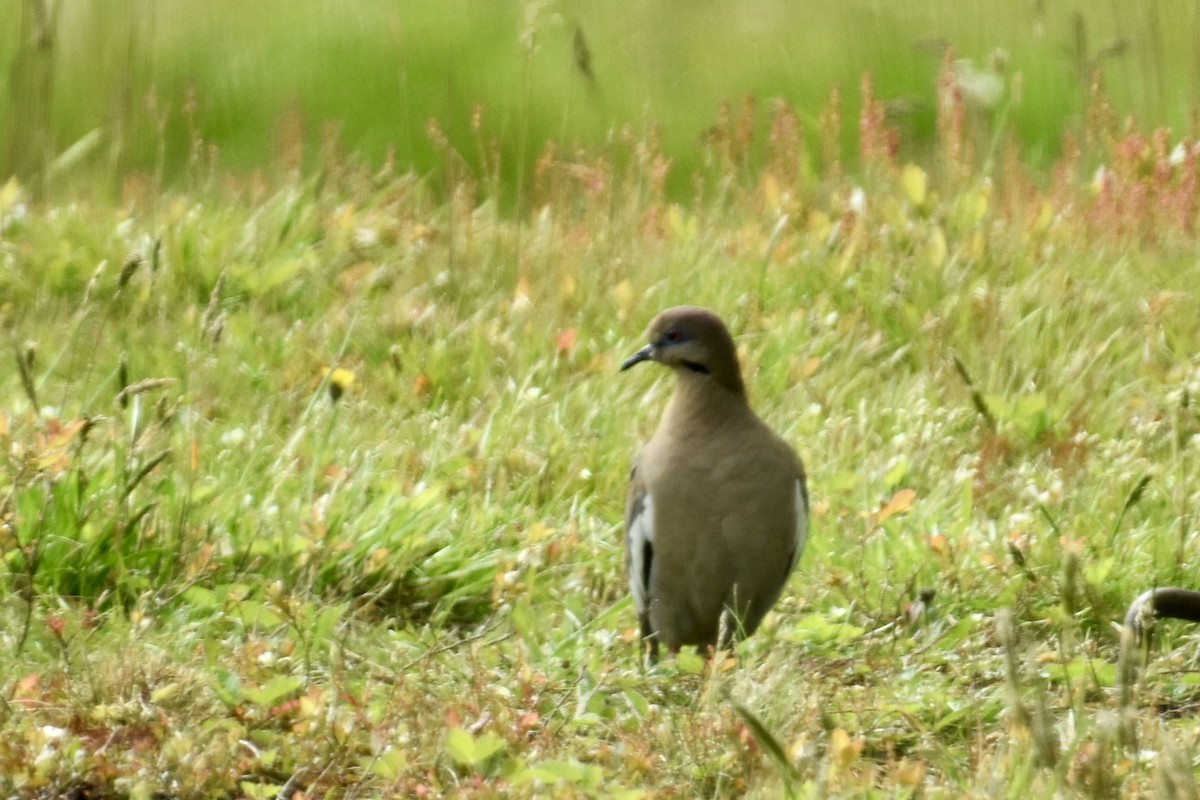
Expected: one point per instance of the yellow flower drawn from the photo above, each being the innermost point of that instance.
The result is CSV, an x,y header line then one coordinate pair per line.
x,y
340,381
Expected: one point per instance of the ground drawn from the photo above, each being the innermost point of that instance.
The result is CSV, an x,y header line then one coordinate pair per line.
x,y
312,485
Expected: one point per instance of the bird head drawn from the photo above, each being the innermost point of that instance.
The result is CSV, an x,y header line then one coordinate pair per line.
x,y
691,340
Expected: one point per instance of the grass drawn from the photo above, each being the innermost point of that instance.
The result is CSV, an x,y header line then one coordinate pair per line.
x,y
127,89
312,484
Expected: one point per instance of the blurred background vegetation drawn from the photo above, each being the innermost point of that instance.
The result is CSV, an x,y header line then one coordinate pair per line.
x,y
99,91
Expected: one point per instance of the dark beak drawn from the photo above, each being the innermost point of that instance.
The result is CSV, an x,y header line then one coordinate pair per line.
x,y
645,354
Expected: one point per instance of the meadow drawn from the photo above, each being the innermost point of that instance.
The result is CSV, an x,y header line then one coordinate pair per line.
x,y
130,87
314,464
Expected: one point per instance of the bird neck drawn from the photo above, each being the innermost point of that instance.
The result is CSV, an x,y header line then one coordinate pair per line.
x,y
700,396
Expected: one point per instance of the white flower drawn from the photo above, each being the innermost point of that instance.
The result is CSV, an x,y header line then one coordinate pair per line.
x,y
1178,155
982,87
858,201
232,438
1020,519
365,237
965,471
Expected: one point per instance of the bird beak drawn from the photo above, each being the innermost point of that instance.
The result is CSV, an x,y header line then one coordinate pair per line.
x,y
647,353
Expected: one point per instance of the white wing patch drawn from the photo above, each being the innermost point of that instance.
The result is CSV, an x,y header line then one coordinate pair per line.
x,y
801,522
641,539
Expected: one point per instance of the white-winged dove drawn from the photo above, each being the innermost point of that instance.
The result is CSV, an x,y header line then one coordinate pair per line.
x,y
1169,602
717,511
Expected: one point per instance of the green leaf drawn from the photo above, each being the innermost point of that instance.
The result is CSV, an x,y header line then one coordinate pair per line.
x,y
203,492
766,739
255,614
274,690
585,720
390,763
165,692
226,686
555,771
638,703
487,746
1030,413
844,481
468,750
461,746
954,715
896,474
1078,669
524,621
259,791
141,790
597,703
584,776
200,597
816,628
327,620
1096,572
267,757
518,773
956,634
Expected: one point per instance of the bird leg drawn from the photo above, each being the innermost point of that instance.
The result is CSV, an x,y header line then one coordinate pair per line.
x,y
652,649
649,637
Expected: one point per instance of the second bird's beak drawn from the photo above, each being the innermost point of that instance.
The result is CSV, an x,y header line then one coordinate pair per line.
x,y
645,354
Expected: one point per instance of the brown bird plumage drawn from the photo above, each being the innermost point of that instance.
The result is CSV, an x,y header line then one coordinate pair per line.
x,y
1169,601
717,511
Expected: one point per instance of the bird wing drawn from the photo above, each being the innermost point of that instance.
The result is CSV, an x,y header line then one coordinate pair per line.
x,y
639,541
801,503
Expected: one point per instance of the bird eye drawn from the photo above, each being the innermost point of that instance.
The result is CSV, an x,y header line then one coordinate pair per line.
x,y
674,335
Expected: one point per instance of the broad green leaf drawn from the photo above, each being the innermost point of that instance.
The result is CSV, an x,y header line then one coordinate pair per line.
x,y
955,635
260,791
554,771
390,763
896,474
690,663
1096,572
469,750
327,620
201,597
638,703
954,716
844,481
164,692
913,179
226,685
1078,669
460,746
584,776
816,628
274,690
254,613
524,621
487,746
